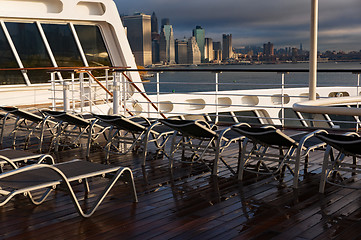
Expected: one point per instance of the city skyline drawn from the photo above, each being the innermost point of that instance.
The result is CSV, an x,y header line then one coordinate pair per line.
x,y
283,22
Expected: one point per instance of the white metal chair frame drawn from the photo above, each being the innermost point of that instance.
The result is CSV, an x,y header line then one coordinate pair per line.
x,y
72,128
334,161
200,138
291,151
29,123
54,175
133,133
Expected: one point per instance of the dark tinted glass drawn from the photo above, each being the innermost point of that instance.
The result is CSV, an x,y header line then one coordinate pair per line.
x,y
7,60
93,45
291,118
62,45
315,120
31,49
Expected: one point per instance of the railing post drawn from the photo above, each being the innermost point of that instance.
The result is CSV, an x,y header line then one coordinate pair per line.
x,y
283,100
357,94
81,91
53,103
90,99
216,98
124,95
72,90
66,96
116,88
158,94
107,84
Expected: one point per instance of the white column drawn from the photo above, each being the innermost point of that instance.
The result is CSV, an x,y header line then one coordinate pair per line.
x,y
313,50
66,96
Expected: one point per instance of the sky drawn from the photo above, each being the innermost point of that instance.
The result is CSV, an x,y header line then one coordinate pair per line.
x,y
285,23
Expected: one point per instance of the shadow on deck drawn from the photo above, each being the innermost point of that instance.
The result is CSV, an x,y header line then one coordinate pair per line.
x,y
189,203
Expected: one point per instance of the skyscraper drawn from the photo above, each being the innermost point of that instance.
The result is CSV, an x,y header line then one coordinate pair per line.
x,y
208,50
181,54
199,35
268,49
139,37
227,46
217,51
166,45
165,21
154,21
155,39
194,55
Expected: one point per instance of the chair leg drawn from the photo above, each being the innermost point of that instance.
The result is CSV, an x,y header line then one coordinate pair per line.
x,y
297,167
216,157
354,161
172,150
242,160
324,171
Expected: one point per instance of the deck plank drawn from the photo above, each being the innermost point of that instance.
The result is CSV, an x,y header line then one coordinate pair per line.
x,y
188,203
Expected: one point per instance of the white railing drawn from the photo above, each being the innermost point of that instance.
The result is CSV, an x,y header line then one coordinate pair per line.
x,y
264,103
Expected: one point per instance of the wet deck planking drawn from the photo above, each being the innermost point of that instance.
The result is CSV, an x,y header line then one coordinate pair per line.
x,y
189,203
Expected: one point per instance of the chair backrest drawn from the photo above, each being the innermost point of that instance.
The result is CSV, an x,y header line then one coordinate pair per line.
x,y
348,144
194,128
22,114
121,122
266,136
69,118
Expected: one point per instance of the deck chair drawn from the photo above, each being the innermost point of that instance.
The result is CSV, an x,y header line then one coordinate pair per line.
x,y
260,158
13,157
3,118
196,138
29,123
336,161
72,128
45,178
134,133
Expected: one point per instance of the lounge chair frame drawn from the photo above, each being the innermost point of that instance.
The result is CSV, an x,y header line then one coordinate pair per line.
x,y
200,138
29,123
292,150
72,128
133,133
334,162
14,157
65,173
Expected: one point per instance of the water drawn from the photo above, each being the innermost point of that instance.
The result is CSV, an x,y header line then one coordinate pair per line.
x,y
183,82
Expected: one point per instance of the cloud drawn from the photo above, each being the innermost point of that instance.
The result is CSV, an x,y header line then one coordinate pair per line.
x,y
283,22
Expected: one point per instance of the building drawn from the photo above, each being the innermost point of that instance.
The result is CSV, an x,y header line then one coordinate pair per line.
x,y
139,37
193,53
199,35
227,52
155,39
268,49
154,22
217,51
165,21
155,50
181,51
208,50
166,45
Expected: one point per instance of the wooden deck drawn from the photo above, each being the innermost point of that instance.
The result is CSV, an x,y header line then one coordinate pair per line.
x,y
188,203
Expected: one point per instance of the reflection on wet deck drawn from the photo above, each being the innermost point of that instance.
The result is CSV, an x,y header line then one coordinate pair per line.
x,y
188,203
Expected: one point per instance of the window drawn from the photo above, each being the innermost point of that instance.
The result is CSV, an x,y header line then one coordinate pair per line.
x,y
62,44
8,60
93,45
315,120
248,117
31,50
291,118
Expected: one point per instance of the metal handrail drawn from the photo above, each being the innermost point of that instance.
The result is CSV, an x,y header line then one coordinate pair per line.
x,y
155,103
